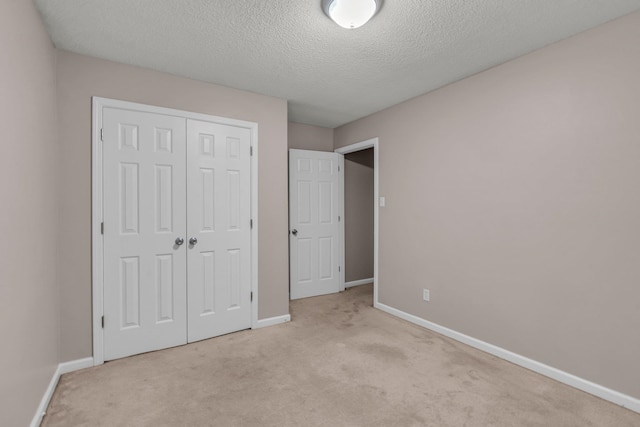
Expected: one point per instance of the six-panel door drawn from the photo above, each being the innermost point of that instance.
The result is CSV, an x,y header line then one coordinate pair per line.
x,y
164,284
219,259
315,209
144,213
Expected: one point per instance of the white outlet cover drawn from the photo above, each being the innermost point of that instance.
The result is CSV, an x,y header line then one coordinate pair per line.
x,y
383,202
425,295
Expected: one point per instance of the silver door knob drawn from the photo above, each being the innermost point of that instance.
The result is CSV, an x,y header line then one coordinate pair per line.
x,y
179,241
193,241
294,232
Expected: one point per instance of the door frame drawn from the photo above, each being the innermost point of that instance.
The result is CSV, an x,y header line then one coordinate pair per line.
x,y
352,148
97,240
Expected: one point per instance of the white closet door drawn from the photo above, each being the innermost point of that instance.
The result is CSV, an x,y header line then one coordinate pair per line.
x,y
315,214
144,214
219,195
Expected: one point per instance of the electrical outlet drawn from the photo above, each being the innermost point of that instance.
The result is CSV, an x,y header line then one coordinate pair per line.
x,y
383,202
425,295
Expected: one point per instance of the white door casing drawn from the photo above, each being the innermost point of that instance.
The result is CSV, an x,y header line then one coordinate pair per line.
x,y
316,218
144,268
358,146
219,217
155,205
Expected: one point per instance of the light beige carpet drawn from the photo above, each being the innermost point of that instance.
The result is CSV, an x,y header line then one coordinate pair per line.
x,y
338,363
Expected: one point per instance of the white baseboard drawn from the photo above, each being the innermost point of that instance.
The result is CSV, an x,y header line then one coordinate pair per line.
x,y
605,393
358,283
271,321
62,368
75,365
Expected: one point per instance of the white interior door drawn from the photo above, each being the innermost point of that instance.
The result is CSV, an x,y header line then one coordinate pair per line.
x,y
144,213
315,222
219,229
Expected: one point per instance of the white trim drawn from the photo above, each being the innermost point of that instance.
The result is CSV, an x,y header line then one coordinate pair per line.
x,y
358,283
97,244
271,321
341,238
358,146
44,403
75,365
254,230
63,368
605,393
97,251
370,143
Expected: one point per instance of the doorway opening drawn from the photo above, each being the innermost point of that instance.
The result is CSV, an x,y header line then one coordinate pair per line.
x,y
358,218
361,249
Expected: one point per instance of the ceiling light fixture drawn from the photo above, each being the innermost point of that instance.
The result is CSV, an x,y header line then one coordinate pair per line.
x,y
351,14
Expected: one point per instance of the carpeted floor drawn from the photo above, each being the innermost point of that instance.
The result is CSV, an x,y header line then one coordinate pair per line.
x,y
338,363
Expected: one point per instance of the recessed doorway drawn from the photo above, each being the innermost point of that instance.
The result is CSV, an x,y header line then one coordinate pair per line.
x,y
371,144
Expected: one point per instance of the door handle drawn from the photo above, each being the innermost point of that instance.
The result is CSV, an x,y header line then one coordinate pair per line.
x,y
193,241
294,232
179,241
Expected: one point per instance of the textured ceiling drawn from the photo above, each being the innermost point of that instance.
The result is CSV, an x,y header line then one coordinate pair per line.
x,y
290,49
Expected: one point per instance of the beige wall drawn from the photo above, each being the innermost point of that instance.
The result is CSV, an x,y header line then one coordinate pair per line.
x,y
80,78
358,215
29,300
307,137
513,196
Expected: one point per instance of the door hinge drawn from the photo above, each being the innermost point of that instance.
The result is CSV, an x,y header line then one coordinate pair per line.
x,y
338,168
102,134
338,218
102,228
251,223
102,322
251,150
339,269
252,296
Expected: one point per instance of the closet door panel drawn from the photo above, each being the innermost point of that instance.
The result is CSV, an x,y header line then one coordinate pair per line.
x,y
144,181
219,229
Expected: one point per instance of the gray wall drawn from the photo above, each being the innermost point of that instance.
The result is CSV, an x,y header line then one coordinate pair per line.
x,y
513,195
307,137
29,298
80,77
358,215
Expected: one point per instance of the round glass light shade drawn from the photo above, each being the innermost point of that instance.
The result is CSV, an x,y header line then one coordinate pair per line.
x,y
352,13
